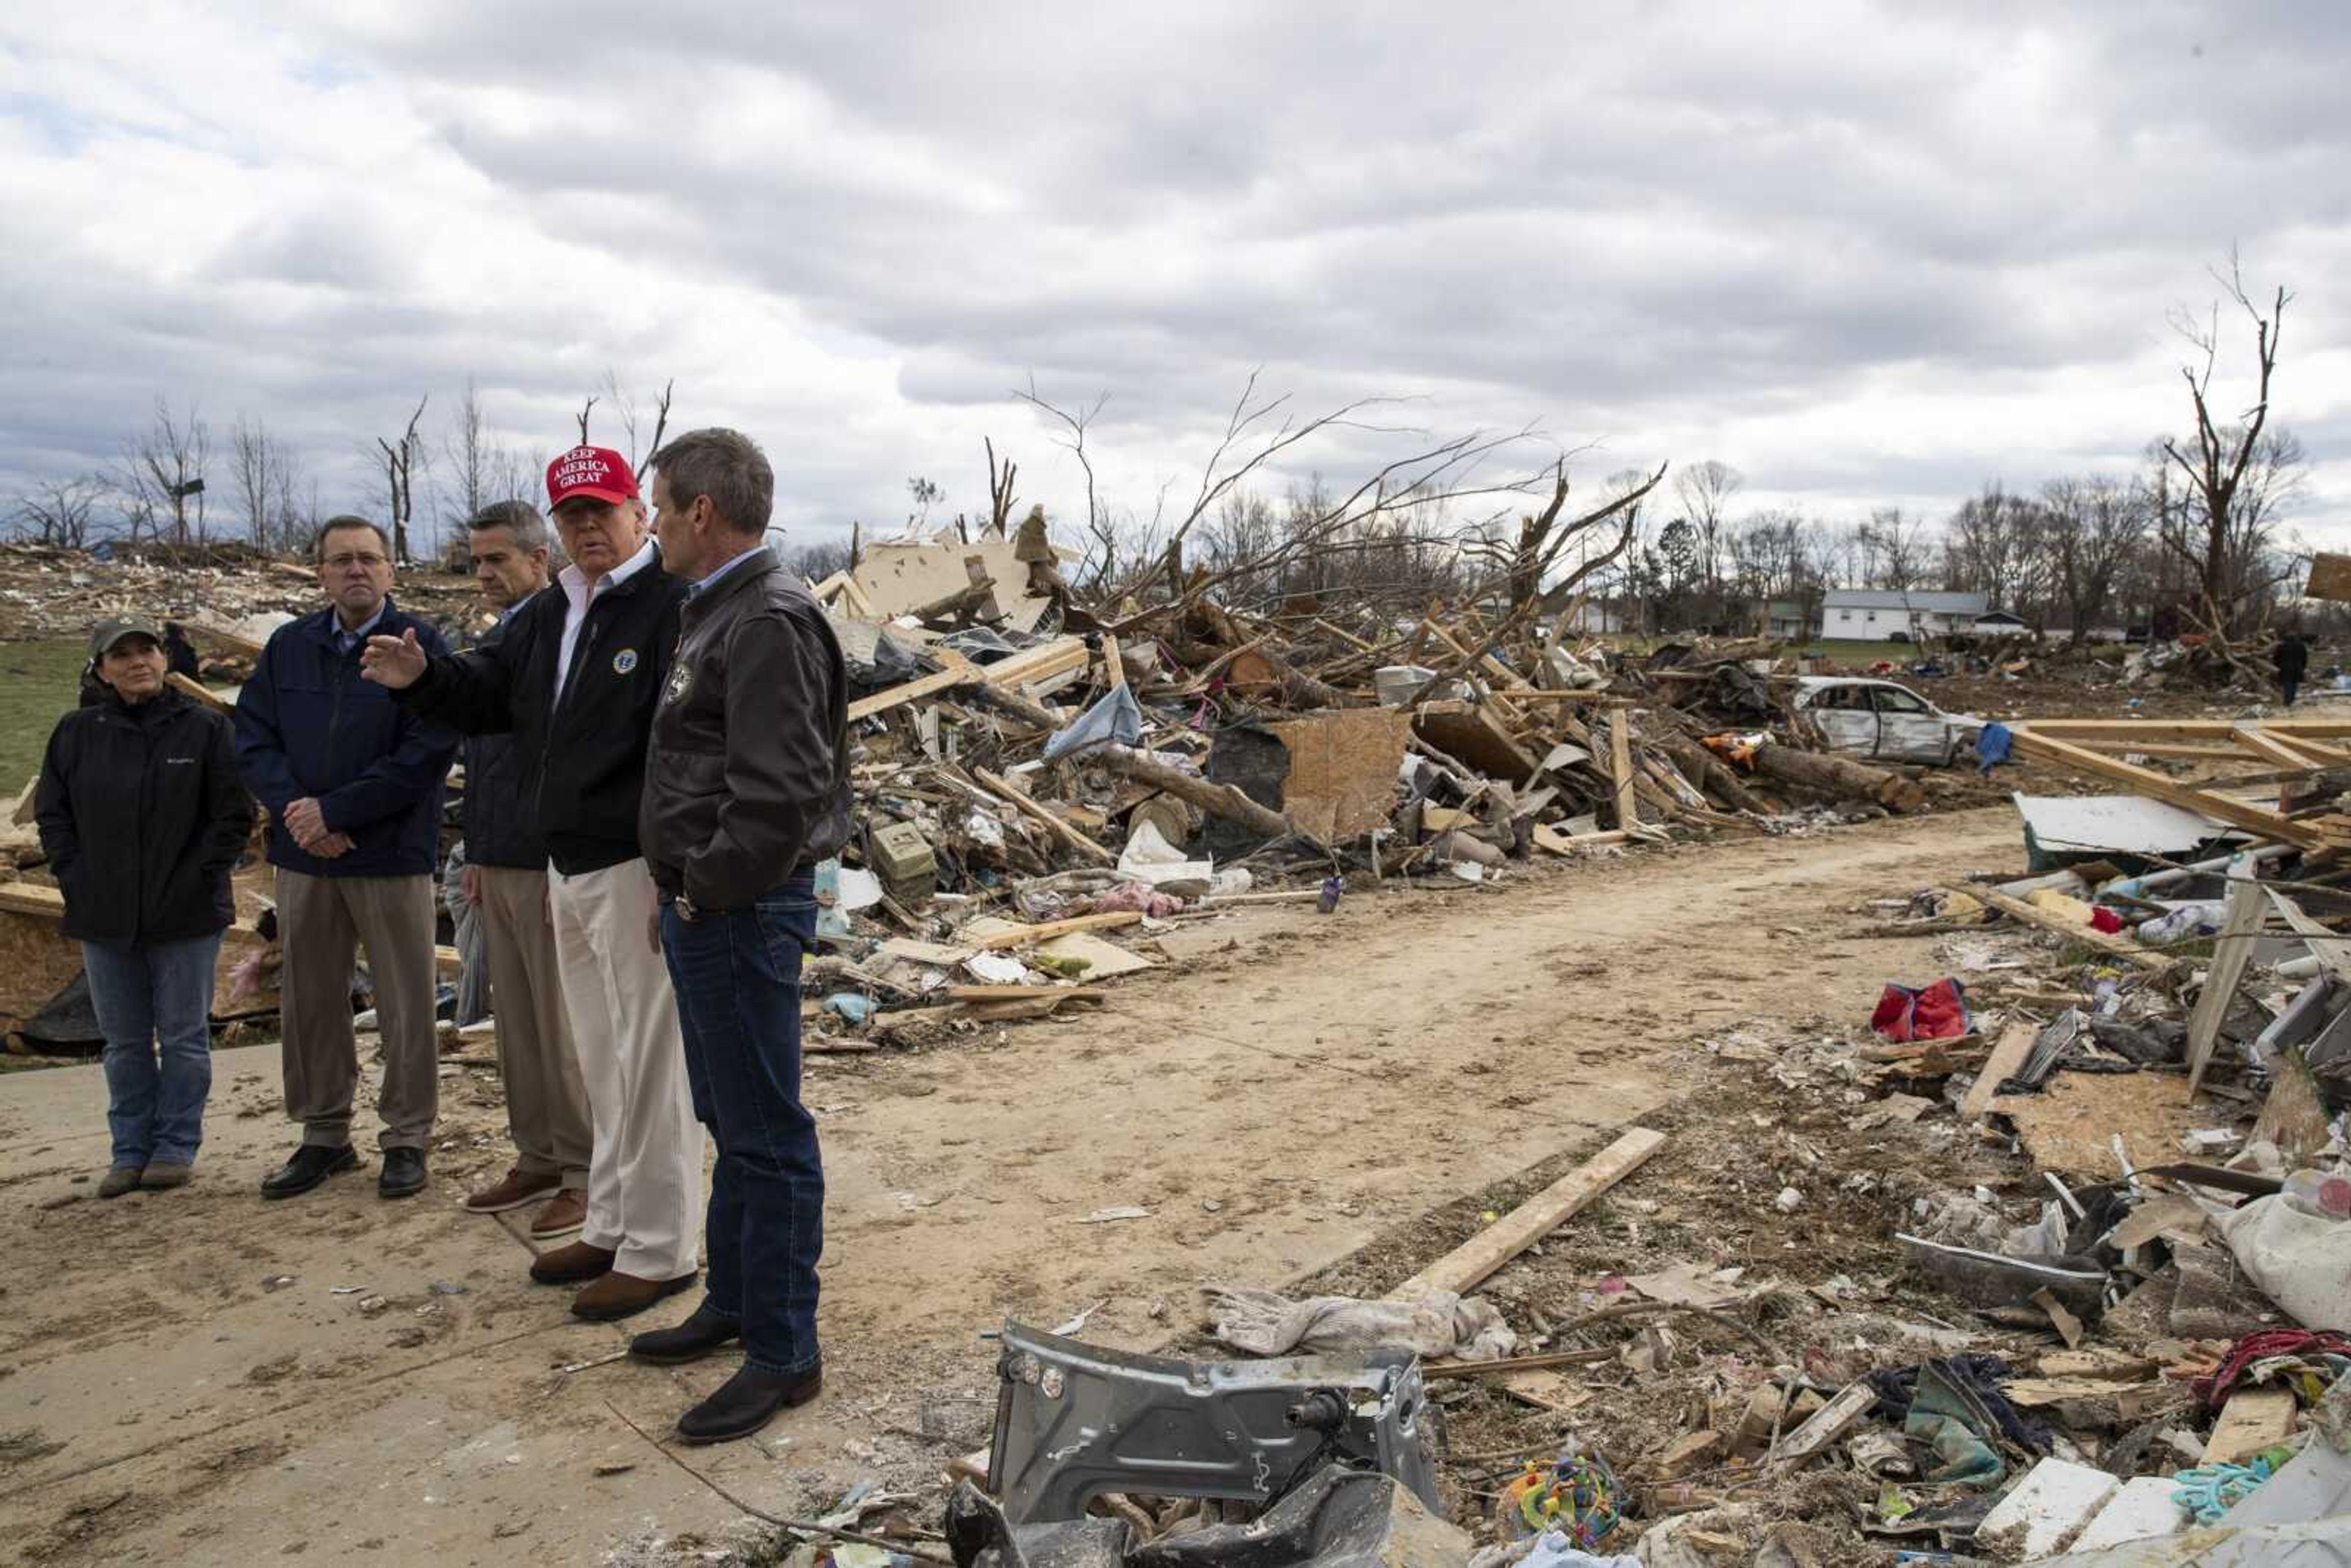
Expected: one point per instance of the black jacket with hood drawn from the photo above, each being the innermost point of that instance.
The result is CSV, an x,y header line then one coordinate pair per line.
x,y
142,817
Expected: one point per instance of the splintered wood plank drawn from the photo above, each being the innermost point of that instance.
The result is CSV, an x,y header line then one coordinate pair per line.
x,y
2015,1045
1620,768
2107,942
2248,901
1463,1268
2035,742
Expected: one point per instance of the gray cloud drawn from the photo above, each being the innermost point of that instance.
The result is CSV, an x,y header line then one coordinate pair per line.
x,y
1864,252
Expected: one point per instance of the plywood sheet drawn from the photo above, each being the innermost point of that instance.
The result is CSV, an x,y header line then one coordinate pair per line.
x,y
2069,1126
2330,577
1472,738
1342,769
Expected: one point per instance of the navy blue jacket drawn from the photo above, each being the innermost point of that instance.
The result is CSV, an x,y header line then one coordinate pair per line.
x,y
307,725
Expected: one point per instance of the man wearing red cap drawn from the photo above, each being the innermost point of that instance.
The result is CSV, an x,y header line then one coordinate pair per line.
x,y
576,675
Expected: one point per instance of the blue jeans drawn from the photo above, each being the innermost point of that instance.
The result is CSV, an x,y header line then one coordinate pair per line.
x,y
143,993
736,975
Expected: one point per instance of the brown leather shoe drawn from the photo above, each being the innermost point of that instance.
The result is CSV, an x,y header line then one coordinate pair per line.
x,y
618,1295
510,1191
571,1265
566,1212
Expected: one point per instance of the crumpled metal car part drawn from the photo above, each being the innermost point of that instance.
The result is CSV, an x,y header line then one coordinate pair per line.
x,y
1075,1421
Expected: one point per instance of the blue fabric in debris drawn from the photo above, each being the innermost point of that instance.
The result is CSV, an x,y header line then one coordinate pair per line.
x,y
1116,716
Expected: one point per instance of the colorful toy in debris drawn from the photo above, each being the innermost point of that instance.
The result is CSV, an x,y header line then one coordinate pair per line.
x,y
1576,1497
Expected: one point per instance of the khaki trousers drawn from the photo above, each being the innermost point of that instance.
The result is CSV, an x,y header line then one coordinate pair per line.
x,y
322,921
547,1103
644,1181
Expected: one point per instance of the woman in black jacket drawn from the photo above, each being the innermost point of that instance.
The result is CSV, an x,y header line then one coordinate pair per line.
x,y
142,817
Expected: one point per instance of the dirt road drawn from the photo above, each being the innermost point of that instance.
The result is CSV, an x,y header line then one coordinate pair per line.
x,y
197,1377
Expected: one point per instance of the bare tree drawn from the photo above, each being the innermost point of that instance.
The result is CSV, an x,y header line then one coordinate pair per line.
x,y
160,478
1896,549
2093,529
1102,561
401,462
2220,535
625,407
1706,489
1000,497
470,453
60,511
262,471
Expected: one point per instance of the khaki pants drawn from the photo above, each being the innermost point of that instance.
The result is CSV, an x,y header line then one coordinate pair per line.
x,y
547,1105
322,921
644,1182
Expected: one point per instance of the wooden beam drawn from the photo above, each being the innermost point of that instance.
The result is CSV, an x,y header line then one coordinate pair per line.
x,y
1047,930
21,815
1620,768
2273,748
2119,946
2157,787
189,685
1053,824
1462,1270
2185,728
1111,666
1022,993
911,690
2015,1045
2248,904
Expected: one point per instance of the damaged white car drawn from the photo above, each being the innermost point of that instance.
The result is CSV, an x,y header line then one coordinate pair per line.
x,y
1884,720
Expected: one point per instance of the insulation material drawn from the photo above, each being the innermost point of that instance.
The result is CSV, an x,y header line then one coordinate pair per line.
x,y
1343,768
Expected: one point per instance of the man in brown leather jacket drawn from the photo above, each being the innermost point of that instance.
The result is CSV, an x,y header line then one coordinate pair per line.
x,y
747,787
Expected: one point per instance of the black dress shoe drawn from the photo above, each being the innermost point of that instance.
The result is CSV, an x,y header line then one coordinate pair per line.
x,y
402,1174
691,1340
746,1402
311,1164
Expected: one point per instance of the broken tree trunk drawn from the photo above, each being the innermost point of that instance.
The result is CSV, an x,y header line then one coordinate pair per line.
x,y
1217,799
1834,775
1705,770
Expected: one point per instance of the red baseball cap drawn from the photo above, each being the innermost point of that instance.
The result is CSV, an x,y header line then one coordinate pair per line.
x,y
597,472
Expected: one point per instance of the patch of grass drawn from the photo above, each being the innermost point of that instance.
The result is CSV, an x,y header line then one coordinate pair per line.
x,y
39,683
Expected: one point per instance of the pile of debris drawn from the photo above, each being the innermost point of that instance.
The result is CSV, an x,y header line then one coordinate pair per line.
x,y
229,595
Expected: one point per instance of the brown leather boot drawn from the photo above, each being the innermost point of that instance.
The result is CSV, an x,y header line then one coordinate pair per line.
x,y
564,1212
510,1191
618,1295
571,1265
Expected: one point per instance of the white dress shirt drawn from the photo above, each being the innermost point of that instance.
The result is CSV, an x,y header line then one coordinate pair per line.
x,y
578,593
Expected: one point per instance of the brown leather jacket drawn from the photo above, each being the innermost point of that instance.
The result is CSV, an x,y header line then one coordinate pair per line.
x,y
747,778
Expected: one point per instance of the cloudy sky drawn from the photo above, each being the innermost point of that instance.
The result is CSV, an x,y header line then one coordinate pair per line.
x,y
1868,254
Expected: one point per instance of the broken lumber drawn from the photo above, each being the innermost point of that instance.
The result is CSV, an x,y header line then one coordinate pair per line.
x,y
2248,903
1620,772
21,815
2015,1045
2253,1419
2065,743
1463,1268
1834,775
1023,935
1052,823
2118,946
187,686
1823,1427
1022,993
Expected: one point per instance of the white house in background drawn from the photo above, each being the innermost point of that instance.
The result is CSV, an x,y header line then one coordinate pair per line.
x,y
1876,615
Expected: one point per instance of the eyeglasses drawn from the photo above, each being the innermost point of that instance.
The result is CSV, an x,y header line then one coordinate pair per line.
x,y
345,562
